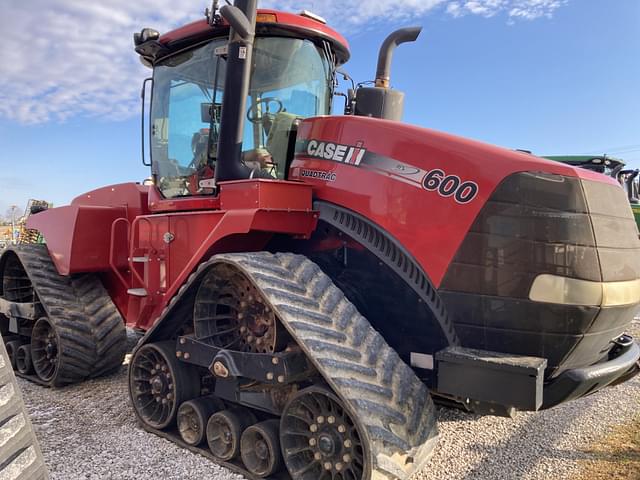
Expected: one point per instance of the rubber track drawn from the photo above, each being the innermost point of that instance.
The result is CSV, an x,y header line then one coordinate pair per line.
x,y
20,456
91,330
382,392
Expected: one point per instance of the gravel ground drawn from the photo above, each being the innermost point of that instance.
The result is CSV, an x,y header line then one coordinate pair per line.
x,y
89,431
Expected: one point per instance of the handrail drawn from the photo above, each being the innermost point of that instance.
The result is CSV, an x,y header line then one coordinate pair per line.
x,y
131,247
112,262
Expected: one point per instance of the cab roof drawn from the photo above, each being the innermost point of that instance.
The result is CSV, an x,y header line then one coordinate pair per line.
x,y
285,23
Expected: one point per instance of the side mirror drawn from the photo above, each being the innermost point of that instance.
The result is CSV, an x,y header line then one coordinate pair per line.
x,y
145,35
143,94
238,21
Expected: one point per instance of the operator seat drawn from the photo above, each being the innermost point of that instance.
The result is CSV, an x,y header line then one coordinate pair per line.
x,y
281,141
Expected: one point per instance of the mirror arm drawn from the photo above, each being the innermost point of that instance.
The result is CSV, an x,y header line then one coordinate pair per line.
x,y
144,138
238,21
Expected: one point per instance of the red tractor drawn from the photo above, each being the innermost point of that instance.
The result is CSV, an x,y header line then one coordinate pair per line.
x,y
307,284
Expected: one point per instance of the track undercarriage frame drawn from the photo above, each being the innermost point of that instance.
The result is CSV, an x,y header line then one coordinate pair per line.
x,y
330,346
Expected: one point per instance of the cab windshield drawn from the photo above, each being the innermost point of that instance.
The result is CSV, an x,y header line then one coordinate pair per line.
x,y
291,79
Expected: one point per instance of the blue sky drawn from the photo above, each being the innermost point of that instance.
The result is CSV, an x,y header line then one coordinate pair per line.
x,y
552,76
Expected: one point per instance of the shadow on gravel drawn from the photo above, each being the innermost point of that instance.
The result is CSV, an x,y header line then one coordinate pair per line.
x,y
534,440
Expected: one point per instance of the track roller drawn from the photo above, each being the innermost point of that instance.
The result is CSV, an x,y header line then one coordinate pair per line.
x,y
319,437
193,417
12,347
224,431
24,365
159,383
260,448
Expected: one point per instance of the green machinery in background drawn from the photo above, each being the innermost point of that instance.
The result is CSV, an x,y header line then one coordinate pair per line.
x,y
613,167
18,233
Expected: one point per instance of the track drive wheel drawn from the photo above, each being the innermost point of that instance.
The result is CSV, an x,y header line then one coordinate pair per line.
x,y
159,383
320,439
224,431
231,313
260,448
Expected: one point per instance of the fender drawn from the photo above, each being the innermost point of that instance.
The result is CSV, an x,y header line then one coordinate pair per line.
x,y
76,234
390,252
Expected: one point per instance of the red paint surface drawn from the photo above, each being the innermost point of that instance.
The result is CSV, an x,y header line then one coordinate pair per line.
x,y
429,226
104,230
107,229
285,19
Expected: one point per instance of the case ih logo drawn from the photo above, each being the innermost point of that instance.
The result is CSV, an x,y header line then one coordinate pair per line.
x,y
350,154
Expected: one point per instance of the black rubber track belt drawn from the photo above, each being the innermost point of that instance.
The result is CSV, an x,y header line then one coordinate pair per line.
x,y
20,456
383,394
92,332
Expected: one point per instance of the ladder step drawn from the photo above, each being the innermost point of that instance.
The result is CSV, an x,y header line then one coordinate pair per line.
x,y
140,259
137,292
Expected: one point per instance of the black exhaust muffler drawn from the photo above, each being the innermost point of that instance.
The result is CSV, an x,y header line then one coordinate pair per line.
x,y
380,101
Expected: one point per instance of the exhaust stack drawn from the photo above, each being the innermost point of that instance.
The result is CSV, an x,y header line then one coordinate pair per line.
x,y
404,35
380,101
242,18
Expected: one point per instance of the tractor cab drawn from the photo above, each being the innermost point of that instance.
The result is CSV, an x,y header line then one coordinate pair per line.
x,y
598,163
612,167
292,71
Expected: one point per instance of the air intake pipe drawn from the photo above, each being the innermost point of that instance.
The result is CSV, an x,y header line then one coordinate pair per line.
x,y
380,101
242,18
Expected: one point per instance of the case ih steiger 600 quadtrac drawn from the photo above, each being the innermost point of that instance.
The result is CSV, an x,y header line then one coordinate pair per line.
x,y
306,283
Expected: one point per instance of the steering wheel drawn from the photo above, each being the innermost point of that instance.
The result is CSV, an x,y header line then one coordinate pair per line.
x,y
267,101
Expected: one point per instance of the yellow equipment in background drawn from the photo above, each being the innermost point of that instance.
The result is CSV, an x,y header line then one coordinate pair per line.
x,y
26,235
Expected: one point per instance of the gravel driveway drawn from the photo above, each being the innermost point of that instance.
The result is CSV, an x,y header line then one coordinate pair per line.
x,y
89,431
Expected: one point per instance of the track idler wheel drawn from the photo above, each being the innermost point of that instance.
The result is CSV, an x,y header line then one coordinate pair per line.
x,y
193,417
24,365
159,383
12,347
319,437
224,431
260,448
45,350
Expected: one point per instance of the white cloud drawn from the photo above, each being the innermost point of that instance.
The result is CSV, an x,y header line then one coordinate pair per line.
x,y
67,58
358,12
514,9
